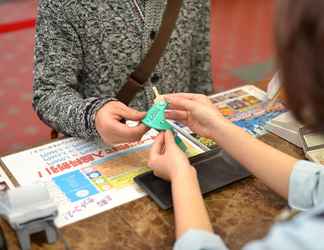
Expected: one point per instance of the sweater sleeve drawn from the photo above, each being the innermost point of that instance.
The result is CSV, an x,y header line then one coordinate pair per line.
x,y
58,64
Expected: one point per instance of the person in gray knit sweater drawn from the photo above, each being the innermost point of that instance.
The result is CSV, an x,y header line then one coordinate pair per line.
x,y
85,50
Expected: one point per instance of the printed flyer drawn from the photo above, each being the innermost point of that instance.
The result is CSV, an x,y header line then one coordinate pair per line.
x,y
84,178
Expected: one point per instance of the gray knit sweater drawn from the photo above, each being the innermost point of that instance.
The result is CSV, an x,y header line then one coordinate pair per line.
x,y
86,49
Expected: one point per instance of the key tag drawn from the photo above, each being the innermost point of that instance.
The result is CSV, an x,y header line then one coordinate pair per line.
x,y
155,118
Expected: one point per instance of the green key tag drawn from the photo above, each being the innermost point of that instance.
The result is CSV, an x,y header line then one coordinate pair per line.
x,y
155,118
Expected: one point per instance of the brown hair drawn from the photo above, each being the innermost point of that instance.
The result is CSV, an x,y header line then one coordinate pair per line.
x,y
300,51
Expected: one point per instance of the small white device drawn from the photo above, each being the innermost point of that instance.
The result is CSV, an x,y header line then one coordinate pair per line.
x,y
313,144
29,210
286,127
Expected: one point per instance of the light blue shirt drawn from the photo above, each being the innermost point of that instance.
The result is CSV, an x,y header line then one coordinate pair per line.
x,y
304,232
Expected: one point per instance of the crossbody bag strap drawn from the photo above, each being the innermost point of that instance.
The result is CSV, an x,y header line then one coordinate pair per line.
x,y
137,79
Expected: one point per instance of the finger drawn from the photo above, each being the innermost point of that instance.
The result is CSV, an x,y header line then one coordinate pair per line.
x,y
130,113
136,133
176,115
181,103
169,139
189,96
173,105
127,133
200,98
157,146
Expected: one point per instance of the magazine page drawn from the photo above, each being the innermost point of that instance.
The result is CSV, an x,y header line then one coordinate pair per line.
x,y
245,106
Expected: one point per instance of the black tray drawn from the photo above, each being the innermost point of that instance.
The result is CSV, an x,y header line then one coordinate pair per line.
x,y
215,170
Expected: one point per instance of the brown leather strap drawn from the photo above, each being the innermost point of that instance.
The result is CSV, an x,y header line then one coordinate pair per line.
x,y
54,134
138,78
129,90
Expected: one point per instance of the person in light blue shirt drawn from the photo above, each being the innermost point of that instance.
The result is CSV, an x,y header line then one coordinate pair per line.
x,y
300,50
305,231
